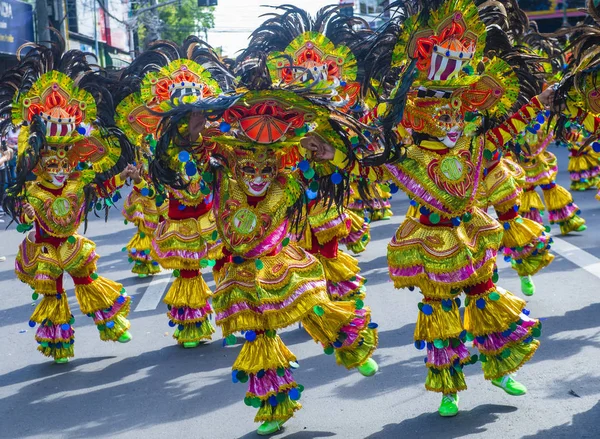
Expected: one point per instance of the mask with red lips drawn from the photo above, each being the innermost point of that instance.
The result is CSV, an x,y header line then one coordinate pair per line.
x,y
451,123
255,171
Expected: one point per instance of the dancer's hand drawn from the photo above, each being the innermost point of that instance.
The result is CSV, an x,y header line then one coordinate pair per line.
x,y
136,173
320,148
546,98
28,210
196,125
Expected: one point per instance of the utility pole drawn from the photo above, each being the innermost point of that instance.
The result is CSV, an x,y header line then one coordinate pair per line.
x,y
41,21
564,10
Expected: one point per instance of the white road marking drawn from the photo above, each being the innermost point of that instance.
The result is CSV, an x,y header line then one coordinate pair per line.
x,y
154,292
579,257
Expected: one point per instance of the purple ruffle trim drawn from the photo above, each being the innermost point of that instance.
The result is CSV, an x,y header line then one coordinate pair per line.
x,y
527,250
547,175
533,215
445,356
54,332
108,314
331,224
343,288
270,243
414,187
588,174
265,307
186,314
498,340
451,277
270,382
354,328
558,216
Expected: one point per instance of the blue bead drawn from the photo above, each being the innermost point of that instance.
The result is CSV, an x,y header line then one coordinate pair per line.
x,y
261,373
343,83
540,118
507,333
480,339
181,207
59,345
304,165
310,194
447,303
526,311
424,211
273,400
413,203
238,259
337,344
234,377
121,299
456,222
58,296
425,360
180,311
224,127
427,309
506,226
250,335
596,146
32,323
373,325
393,188
429,346
145,191
420,344
336,178
294,394
81,130
181,327
458,302
480,303
184,156
191,169
66,326
110,324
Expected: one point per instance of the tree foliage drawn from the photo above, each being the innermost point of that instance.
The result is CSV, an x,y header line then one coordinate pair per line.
x,y
175,22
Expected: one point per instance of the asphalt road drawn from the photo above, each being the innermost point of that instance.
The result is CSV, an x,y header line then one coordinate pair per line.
x,y
151,388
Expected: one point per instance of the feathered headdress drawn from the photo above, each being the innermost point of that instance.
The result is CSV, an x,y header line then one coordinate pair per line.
x,y
64,111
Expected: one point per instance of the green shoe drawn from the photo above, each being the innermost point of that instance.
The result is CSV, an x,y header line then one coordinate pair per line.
x,y
269,427
527,286
449,405
125,338
582,228
190,344
142,275
369,368
61,360
510,386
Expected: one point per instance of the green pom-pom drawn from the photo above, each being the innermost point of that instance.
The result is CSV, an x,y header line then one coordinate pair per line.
x,y
470,337
494,296
434,218
71,240
142,235
314,186
176,273
467,217
536,332
205,190
359,304
547,229
309,174
256,402
214,235
438,343
211,262
94,276
495,277
487,154
285,241
203,263
328,350
207,177
318,310
125,222
482,358
101,327
72,321
271,333
231,340
35,296
124,249
248,401
259,264
505,353
280,371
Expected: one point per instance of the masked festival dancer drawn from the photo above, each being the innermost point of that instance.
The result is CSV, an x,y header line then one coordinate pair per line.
x,y
69,140
436,157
